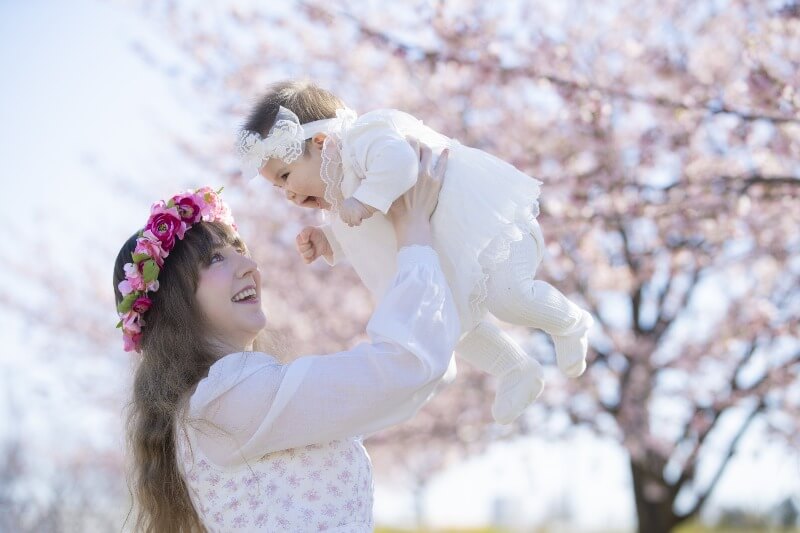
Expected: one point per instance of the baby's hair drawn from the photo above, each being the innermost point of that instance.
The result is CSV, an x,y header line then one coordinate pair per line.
x,y
306,100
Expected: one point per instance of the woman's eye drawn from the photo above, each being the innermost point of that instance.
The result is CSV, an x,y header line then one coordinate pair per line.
x,y
216,257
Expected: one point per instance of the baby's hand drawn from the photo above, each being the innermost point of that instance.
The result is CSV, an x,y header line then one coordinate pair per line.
x,y
353,212
312,243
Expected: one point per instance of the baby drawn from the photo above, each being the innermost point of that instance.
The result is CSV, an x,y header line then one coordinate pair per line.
x,y
304,140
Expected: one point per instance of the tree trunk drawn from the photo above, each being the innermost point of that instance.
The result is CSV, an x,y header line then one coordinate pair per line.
x,y
419,505
654,501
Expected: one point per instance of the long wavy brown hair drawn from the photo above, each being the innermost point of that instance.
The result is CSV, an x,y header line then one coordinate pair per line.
x,y
175,356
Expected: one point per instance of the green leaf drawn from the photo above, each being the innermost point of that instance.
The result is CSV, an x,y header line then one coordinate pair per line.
x,y
126,303
170,203
150,271
138,258
220,189
119,324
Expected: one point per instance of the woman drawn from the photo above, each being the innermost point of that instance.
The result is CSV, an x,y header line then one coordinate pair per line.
x,y
224,437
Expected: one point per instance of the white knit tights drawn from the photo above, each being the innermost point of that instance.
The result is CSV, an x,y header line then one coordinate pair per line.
x,y
515,297
520,378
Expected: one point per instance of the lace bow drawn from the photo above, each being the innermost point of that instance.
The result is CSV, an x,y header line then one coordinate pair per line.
x,y
285,139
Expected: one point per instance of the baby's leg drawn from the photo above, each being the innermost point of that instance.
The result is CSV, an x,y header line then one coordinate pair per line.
x,y
519,377
515,297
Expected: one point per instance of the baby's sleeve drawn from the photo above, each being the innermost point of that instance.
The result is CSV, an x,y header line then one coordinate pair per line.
x,y
336,248
390,166
251,405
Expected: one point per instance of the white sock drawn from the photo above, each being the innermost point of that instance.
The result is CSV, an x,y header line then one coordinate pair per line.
x,y
520,379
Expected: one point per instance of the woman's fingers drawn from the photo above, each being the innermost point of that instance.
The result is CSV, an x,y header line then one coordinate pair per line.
x,y
425,159
441,164
414,142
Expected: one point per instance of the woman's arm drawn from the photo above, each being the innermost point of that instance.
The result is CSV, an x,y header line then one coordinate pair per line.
x,y
251,405
267,407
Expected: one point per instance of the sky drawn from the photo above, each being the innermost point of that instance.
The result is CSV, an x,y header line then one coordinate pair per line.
x,y
78,106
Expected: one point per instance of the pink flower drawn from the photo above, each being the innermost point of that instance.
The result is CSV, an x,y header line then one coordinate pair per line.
x,y
131,322
125,287
133,275
131,342
151,246
209,202
165,224
142,304
188,206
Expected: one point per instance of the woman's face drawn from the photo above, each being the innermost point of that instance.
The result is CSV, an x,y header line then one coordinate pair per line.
x,y
229,296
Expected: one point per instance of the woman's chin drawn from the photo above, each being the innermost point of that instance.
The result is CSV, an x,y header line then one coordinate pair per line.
x,y
257,323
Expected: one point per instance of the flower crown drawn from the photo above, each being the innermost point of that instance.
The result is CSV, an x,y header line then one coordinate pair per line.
x,y
167,222
285,138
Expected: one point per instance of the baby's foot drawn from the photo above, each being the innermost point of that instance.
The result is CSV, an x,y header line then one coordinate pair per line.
x,y
571,349
516,390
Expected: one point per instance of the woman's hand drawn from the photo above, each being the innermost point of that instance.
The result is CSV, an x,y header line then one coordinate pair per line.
x,y
411,213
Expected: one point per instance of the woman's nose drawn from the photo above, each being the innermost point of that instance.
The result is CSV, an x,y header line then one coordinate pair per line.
x,y
247,266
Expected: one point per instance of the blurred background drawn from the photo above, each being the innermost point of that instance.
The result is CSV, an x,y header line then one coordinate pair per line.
x,y
667,134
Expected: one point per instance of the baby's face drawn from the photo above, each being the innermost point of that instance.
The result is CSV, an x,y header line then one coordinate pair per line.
x,y
300,179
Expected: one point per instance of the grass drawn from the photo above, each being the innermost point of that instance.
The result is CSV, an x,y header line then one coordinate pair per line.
x,y
688,528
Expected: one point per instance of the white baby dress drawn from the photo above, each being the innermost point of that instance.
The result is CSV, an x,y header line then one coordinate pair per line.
x,y
485,204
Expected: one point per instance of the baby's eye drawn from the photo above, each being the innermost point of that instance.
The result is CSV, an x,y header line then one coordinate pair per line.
x,y
285,176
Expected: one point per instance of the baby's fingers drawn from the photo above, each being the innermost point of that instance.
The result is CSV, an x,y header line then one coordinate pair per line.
x,y
305,235
309,255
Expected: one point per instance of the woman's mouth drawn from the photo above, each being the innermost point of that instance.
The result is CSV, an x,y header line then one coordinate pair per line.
x,y
246,296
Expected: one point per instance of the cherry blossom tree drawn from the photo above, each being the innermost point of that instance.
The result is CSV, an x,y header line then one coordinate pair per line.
x,y
667,134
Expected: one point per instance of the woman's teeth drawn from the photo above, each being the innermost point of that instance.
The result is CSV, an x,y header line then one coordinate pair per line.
x,y
243,295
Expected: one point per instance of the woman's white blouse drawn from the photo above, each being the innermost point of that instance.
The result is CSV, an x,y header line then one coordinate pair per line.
x,y
272,447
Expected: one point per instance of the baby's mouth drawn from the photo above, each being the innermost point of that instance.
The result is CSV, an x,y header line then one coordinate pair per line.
x,y
312,202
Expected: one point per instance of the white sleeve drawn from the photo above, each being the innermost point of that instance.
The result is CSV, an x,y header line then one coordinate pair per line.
x,y
390,167
335,246
251,405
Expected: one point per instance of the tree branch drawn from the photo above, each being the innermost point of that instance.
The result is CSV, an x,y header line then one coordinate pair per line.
x,y
758,179
689,466
712,107
731,450
664,319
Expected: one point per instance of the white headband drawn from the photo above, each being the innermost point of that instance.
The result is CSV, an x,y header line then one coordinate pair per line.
x,y
285,139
